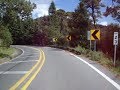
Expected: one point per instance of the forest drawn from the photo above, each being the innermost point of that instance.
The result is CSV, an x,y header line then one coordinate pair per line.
x,y
17,26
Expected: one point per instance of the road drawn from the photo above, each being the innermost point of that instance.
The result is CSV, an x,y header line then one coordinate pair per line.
x,y
48,68
12,71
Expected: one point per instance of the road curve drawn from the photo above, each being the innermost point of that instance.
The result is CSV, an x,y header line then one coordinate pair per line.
x,y
63,71
45,68
11,72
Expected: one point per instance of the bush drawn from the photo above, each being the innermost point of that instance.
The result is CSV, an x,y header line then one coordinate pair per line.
x,y
62,42
101,58
5,36
81,50
97,56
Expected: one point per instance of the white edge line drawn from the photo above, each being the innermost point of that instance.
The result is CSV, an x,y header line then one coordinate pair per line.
x,y
15,57
98,71
13,72
23,61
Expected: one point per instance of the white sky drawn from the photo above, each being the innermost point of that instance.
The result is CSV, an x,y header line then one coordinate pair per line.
x,y
42,7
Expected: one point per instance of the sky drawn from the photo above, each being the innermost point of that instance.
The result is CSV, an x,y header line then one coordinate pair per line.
x,y
67,5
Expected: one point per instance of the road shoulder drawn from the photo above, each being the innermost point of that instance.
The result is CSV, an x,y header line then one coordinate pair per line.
x,y
103,69
15,54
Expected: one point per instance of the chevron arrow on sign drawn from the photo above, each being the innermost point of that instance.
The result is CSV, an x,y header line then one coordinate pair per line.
x,y
54,39
68,38
95,34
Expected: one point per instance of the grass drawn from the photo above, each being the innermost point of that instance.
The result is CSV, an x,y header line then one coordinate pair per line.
x,y
101,58
6,52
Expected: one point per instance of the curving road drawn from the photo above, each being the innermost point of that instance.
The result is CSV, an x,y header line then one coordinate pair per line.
x,y
11,72
63,71
45,68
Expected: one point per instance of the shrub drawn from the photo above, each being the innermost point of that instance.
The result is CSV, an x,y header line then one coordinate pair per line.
x,y
81,50
101,58
5,36
61,42
96,55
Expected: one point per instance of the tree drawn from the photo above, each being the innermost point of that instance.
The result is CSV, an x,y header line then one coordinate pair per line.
x,y
5,36
63,21
54,22
52,8
93,7
79,25
11,10
114,10
17,16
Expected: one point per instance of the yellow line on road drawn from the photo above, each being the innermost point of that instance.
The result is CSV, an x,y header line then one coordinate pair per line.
x,y
34,75
26,75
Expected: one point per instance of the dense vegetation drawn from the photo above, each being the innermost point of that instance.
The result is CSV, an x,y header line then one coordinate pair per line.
x,y
18,27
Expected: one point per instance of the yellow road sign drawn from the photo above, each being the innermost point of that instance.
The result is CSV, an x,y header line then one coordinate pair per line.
x,y
68,38
54,39
95,35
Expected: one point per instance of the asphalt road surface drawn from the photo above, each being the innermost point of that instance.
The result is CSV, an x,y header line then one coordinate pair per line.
x,y
48,68
11,72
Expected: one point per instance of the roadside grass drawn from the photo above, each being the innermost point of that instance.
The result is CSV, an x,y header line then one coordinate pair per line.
x,y
101,58
6,52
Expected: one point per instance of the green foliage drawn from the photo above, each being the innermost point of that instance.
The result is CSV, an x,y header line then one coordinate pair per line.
x,y
79,25
16,15
116,70
93,7
101,58
6,52
52,8
54,28
62,42
5,36
114,10
96,55
81,50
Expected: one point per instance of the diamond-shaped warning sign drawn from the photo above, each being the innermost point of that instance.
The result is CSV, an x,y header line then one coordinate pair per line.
x,y
95,34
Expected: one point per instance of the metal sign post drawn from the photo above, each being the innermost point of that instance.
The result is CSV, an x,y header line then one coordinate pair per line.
x,y
88,37
95,45
95,35
115,43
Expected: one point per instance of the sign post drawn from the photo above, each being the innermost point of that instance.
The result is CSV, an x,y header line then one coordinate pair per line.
x,y
88,37
68,38
95,35
115,43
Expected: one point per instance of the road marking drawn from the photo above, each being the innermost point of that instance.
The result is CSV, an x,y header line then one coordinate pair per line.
x,y
98,71
34,75
23,61
26,75
13,72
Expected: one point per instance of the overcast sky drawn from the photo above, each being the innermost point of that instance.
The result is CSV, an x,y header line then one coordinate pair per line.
x,y
67,5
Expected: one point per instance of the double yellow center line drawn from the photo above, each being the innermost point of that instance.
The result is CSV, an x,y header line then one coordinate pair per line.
x,y
35,70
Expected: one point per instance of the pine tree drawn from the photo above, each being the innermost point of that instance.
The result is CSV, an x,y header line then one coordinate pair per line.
x,y
52,8
79,25
93,7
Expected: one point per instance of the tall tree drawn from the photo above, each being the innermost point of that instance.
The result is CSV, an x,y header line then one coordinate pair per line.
x,y
52,8
114,10
93,7
63,21
14,15
79,25
54,27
